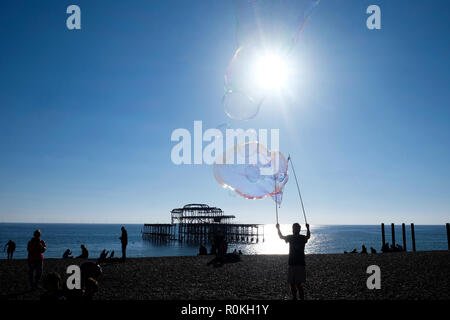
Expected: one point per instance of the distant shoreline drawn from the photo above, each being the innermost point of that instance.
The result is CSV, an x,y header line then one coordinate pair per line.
x,y
404,275
245,222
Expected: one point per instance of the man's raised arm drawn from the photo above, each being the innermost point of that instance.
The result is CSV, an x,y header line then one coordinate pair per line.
x,y
279,232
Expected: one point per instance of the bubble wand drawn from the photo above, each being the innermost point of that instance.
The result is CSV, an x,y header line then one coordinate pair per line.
x,y
298,189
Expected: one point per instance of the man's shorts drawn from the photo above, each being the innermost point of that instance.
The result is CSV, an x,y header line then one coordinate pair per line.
x,y
296,274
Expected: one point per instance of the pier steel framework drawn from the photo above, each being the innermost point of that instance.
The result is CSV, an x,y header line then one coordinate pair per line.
x,y
199,223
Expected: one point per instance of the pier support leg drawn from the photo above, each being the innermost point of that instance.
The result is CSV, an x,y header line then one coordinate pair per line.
x,y
383,239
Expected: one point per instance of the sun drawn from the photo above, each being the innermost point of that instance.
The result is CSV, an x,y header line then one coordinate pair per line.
x,y
271,71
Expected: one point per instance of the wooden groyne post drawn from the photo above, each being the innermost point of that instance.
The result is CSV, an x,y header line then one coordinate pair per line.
x,y
448,235
413,238
393,234
404,236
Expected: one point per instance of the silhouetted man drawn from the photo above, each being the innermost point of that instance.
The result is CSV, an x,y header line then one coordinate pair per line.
x,y
10,247
220,248
84,253
36,248
296,269
124,240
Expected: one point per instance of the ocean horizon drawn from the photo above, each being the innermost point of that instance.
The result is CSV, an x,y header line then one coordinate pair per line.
x,y
324,239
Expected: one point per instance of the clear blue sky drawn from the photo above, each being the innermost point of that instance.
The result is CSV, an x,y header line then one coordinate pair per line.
x,y
86,116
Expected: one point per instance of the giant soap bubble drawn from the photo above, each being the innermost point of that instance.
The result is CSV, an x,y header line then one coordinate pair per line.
x,y
242,99
266,32
252,171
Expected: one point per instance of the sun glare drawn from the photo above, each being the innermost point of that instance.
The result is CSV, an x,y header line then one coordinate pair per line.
x,y
271,71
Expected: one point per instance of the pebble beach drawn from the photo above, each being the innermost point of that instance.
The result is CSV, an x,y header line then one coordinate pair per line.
x,y
404,276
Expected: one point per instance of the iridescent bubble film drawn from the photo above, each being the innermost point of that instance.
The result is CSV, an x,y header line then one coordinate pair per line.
x,y
252,171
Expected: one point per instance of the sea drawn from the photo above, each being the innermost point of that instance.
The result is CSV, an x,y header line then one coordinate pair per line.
x,y
324,239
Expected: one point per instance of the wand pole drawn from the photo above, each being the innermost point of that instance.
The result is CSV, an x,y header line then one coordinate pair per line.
x,y
298,189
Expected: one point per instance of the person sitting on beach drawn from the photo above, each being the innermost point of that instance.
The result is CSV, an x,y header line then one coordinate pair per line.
x,y
354,251
36,248
88,270
363,249
84,253
372,250
231,258
240,252
202,250
213,249
10,247
67,254
396,248
90,289
52,285
296,262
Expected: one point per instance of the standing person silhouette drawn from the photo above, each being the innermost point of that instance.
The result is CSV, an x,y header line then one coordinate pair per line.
x,y
296,269
36,248
124,240
10,247
221,246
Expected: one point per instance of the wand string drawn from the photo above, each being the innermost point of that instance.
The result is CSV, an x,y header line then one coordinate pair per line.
x,y
298,189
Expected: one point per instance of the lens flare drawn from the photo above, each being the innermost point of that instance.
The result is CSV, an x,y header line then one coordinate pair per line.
x,y
262,25
271,71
